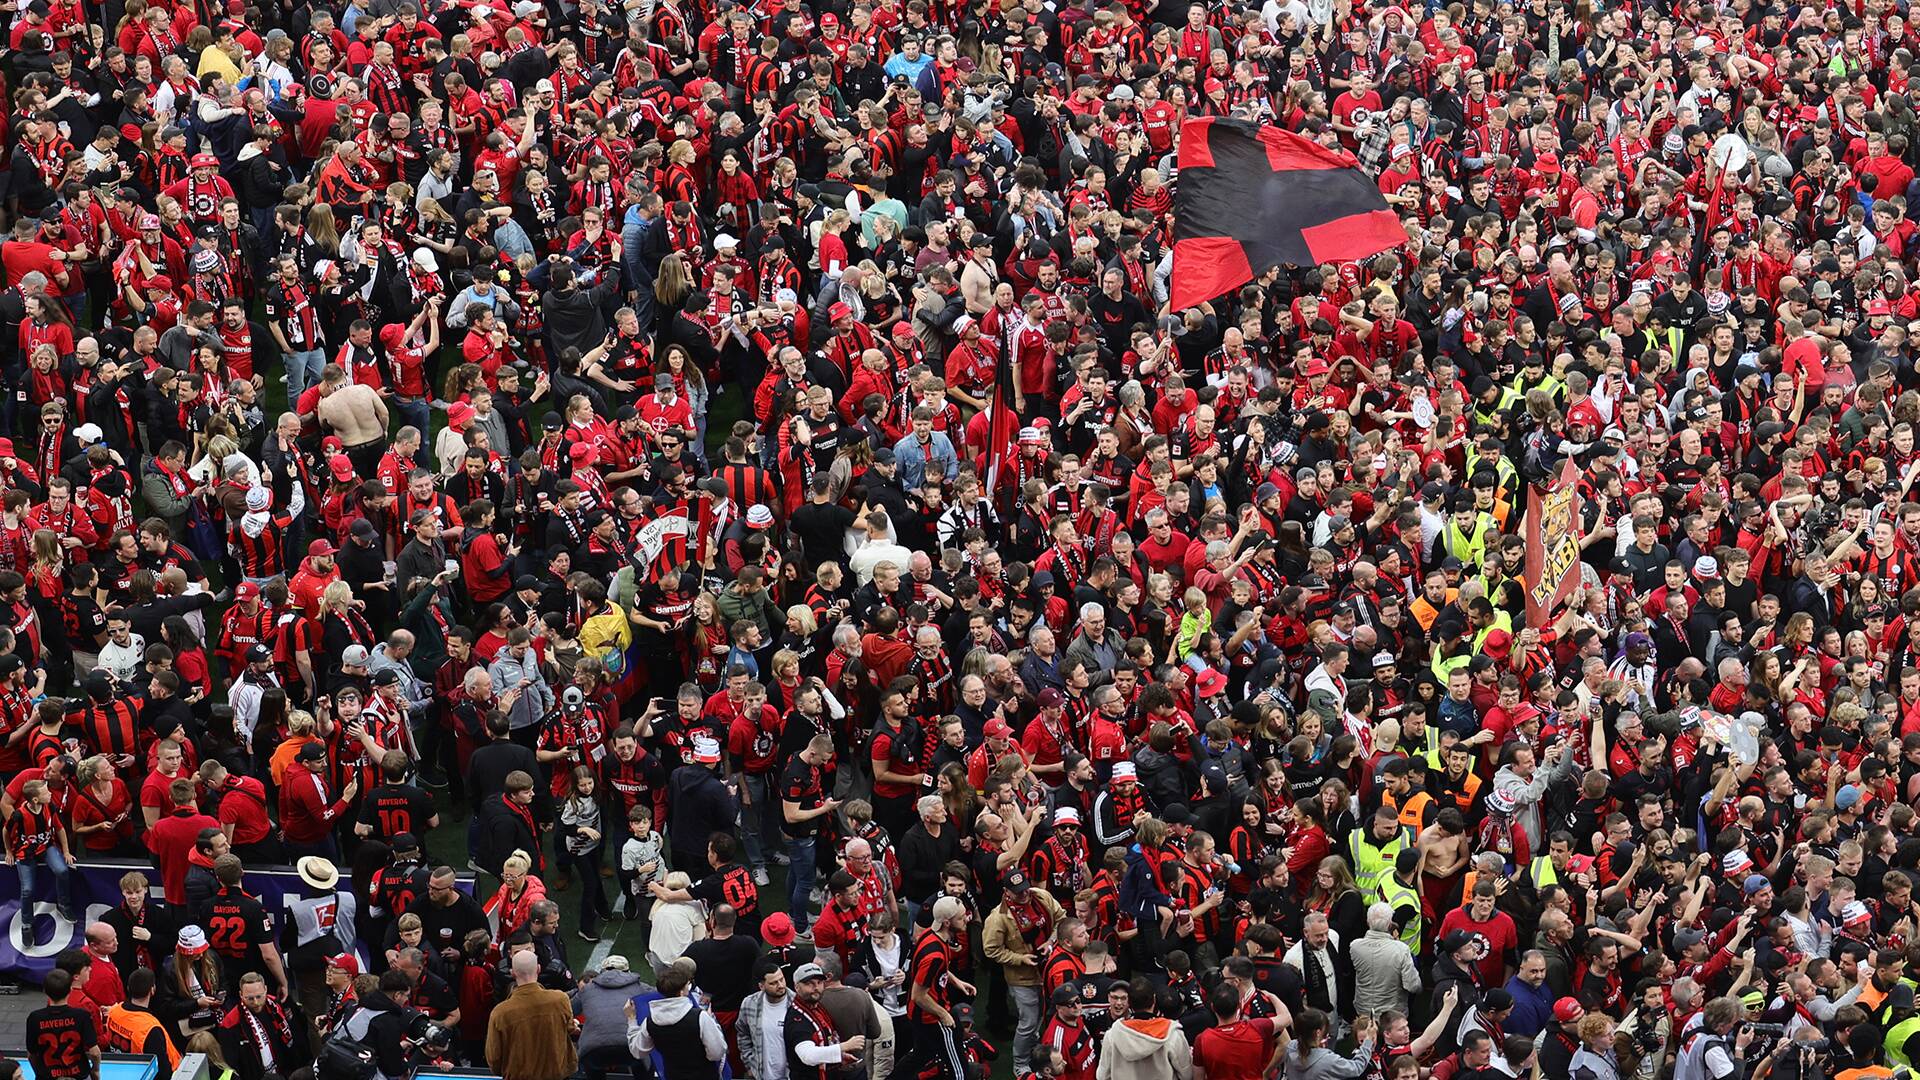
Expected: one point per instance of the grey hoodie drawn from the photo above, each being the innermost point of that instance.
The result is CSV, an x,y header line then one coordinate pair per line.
x,y
1145,1048
1323,1064
602,1007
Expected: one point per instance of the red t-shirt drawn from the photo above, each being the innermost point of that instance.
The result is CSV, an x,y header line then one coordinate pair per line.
x,y
881,750
480,562
154,791
244,806
1501,936
1236,1051
88,812
171,840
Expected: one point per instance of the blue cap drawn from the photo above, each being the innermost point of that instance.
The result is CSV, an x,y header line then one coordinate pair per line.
x,y
1756,882
1847,797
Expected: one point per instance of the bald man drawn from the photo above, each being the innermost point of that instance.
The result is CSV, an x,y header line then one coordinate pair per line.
x,y
543,1027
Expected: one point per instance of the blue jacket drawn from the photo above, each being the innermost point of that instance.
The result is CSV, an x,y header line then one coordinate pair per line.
x,y
915,460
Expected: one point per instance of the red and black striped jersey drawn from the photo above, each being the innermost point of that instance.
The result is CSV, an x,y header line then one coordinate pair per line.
x,y
262,554
111,727
932,964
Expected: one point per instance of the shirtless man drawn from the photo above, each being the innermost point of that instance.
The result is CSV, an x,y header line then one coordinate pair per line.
x,y
1444,851
354,412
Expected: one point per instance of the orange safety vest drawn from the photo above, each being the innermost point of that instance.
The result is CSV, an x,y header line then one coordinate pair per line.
x,y
129,1029
1471,789
1410,814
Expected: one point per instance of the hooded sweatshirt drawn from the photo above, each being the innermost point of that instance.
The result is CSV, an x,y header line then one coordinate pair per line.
x,y
1145,1048
665,1012
602,1008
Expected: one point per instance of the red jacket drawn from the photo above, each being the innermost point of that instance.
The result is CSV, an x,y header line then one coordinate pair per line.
x,y
305,815
171,841
244,806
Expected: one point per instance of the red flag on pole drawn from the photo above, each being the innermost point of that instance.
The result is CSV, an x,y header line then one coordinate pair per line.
x,y
1003,427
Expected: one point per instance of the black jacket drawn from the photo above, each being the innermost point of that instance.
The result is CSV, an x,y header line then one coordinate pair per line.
x,y
502,832
387,1026
578,317
260,185
701,806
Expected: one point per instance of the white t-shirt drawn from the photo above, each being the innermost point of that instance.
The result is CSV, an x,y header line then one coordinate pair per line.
x,y
773,1036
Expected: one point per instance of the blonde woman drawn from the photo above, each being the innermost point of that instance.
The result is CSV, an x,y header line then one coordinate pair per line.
x,y
222,460
300,732
322,238
205,1042
673,283
511,906
832,249
342,625
679,184
675,923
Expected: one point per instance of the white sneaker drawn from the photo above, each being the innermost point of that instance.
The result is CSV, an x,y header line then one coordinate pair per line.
x,y
760,877
817,897
780,857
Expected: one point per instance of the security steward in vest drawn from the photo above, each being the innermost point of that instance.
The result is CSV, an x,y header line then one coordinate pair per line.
x,y
1414,806
1374,847
1552,867
131,1027
1457,783
1889,965
1468,531
1902,1042
1400,890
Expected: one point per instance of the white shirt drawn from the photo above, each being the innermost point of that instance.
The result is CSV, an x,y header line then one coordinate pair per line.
x,y
121,661
872,554
773,1037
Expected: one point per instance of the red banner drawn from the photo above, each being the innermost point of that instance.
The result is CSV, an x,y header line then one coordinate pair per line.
x,y
1552,530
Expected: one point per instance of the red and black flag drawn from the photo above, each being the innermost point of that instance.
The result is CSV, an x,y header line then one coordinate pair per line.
x,y
1003,426
1252,196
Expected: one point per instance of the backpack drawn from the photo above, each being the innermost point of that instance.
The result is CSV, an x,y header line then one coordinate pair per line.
x,y
343,1056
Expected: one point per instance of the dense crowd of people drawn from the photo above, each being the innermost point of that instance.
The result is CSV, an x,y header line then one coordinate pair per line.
x,y
739,464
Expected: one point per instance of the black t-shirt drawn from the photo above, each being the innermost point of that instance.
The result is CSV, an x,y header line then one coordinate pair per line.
x,y
725,969
821,529
392,809
58,1038
734,886
800,783
446,927
236,926
1742,599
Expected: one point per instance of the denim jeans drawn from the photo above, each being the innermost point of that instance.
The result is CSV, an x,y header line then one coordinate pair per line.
x,y
56,865
414,412
800,855
1026,1035
303,370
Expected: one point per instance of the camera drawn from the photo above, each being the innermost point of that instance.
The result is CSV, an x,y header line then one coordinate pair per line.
x,y
1771,1030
